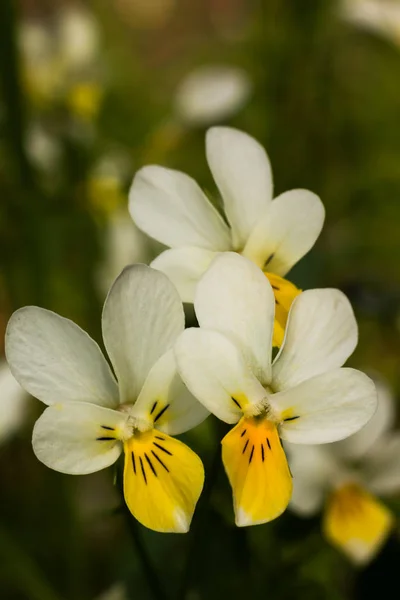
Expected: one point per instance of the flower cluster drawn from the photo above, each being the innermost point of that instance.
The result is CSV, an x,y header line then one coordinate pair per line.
x,y
165,380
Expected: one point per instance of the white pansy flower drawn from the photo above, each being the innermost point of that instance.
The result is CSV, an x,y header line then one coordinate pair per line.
x,y
91,418
380,16
13,400
304,396
345,478
210,94
170,207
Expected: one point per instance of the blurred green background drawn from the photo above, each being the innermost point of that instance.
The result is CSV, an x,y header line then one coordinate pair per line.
x,y
86,103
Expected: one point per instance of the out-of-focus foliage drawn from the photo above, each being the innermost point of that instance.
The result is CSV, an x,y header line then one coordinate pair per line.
x,y
85,104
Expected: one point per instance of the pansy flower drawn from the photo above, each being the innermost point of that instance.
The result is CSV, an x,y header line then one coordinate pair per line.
x,y
303,396
275,234
346,478
92,416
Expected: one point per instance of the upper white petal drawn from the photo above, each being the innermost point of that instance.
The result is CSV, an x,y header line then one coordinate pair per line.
x,y
56,361
326,408
320,335
382,466
365,440
13,403
142,318
170,207
184,267
213,369
65,437
242,172
165,394
286,232
235,298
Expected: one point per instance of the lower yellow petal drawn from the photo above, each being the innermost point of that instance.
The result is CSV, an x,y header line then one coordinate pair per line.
x,y
285,292
256,465
356,522
163,480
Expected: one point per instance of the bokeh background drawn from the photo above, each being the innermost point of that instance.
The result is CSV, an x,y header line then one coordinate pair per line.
x,y
91,91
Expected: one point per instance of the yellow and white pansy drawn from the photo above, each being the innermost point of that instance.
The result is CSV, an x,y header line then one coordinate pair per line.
x,y
345,478
303,396
170,207
91,418
13,404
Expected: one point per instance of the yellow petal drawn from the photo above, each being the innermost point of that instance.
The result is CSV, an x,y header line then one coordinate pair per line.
x,y
163,480
257,469
285,292
356,522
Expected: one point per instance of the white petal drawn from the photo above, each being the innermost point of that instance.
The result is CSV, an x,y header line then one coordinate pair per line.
x,y
366,439
13,403
56,361
142,318
167,401
286,232
242,172
65,438
184,267
311,467
213,369
235,298
326,408
170,207
320,335
382,471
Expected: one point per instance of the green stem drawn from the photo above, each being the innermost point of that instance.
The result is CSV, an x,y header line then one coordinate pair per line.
x,y
199,527
25,574
152,579
12,93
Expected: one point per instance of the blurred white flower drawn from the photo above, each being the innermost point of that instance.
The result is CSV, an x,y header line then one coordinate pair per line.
x,y
344,477
303,396
59,60
381,16
211,94
116,592
78,37
13,403
124,244
43,149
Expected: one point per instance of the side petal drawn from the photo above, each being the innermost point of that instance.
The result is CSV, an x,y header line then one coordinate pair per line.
x,y
382,465
184,267
235,298
213,369
326,408
142,318
321,334
286,232
78,438
373,433
242,172
56,361
170,207
257,470
166,401
356,523
163,480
